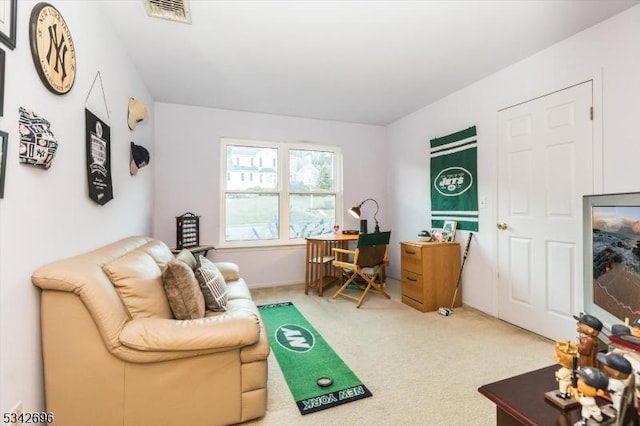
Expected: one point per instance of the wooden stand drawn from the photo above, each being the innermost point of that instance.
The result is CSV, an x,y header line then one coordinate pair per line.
x,y
563,404
195,250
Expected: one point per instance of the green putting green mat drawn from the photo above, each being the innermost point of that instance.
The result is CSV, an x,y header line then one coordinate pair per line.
x,y
304,357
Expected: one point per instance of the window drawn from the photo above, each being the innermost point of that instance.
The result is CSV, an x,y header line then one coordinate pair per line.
x,y
265,205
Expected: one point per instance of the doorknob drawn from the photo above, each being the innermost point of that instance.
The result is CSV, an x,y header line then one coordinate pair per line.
x,y
502,226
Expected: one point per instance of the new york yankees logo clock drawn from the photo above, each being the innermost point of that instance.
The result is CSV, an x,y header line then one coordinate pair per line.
x,y
52,48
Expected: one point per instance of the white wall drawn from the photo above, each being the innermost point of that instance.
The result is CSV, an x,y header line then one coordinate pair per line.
x,y
187,177
46,215
607,53
187,152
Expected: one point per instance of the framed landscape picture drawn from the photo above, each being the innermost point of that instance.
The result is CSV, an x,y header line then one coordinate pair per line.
x,y
611,236
8,13
449,230
1,82
3,160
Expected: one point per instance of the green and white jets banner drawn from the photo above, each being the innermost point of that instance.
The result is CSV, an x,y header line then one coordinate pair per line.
x,y
454,183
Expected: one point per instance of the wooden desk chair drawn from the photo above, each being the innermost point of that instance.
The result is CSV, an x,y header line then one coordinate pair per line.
x,y
367,262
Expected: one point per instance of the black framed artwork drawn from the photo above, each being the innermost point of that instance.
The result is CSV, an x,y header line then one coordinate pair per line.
x,y
8,18
2,56
4,136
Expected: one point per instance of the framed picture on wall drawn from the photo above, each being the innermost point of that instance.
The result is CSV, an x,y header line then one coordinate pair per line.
x,y
3,159
449,230
8,13
2,55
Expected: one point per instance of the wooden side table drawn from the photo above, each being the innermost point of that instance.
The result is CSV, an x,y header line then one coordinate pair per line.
x,y
319,270
195,250
520,400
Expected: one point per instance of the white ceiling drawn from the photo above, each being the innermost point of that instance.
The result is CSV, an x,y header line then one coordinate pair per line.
x,y
357,61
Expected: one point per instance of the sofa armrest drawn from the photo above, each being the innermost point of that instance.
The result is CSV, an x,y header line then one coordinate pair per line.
x,y
229,270
226,331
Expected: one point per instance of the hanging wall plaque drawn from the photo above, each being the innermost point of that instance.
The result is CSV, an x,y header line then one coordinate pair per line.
x,y
52,49
98,141
187,231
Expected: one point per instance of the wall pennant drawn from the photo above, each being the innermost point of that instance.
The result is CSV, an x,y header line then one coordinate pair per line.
x,y
38,144
98,141
454,179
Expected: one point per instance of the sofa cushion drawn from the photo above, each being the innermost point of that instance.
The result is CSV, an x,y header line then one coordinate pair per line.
x,y
238,290
159,251
230,271
138,281
212,285
183,291
187,257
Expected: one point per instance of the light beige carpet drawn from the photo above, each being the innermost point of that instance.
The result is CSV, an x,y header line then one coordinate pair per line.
x,y
422,368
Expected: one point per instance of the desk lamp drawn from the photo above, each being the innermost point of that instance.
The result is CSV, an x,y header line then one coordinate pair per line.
x,y
355,212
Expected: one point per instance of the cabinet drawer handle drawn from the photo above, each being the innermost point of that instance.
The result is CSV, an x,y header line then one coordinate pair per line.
x,y
410,252
412,279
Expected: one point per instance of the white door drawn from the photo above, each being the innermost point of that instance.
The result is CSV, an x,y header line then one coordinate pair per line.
x,y
545,154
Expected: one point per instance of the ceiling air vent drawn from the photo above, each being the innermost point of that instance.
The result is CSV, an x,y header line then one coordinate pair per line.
x,y
173,10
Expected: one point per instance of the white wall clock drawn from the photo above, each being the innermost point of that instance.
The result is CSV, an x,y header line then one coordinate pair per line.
x,y
52,48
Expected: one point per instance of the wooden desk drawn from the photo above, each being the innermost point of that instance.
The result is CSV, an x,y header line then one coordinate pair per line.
x,y
195,250
520,400
319,271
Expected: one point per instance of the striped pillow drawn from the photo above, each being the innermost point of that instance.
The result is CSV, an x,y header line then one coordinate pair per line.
x,y
212,284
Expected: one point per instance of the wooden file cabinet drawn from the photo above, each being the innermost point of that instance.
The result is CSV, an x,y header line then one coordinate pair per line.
x,y
430,274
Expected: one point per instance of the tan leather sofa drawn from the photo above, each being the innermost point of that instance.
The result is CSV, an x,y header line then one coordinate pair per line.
x,y
106,366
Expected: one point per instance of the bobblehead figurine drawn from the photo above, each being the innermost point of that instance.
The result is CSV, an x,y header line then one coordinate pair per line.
x,y
588,328
591,383
566,353
635,328
618,369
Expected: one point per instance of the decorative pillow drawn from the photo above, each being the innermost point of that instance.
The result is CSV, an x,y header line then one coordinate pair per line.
x,y
212,284
138,280
187,257
183,291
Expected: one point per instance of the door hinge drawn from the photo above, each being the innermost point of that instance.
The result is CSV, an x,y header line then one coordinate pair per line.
x,y
591,113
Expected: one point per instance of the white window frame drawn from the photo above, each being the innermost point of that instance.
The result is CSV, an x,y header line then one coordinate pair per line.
x,y
282,187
